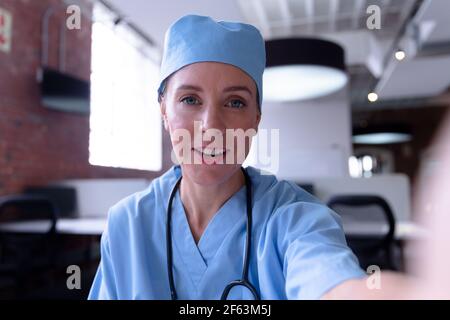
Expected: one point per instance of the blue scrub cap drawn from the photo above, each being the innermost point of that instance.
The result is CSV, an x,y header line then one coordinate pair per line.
x,y
194,38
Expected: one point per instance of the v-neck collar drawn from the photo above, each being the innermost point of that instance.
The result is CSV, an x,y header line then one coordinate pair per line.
x,y
197,257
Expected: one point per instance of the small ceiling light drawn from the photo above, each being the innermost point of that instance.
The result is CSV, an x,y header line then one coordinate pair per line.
x,y
372,97
303,68
400,55
382,135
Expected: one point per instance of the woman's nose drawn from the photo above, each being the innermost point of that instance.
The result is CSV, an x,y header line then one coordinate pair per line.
x,y
212,118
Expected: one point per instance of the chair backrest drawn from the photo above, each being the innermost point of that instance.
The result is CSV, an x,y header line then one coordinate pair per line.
x,y
358,202
394,188
63,197
16,211
27,237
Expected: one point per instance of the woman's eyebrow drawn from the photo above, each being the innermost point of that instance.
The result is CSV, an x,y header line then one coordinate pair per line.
x,y
228,89
189,87
238,88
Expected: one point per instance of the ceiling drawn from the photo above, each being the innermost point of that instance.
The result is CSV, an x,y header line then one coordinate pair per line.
x,y
427,70
281,18
420,27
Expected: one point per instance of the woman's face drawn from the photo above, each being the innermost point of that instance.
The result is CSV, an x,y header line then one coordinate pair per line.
x,y
202,101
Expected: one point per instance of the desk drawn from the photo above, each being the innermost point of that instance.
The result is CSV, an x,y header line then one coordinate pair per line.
x,y
78,226
86,226
404,230
89,229
95,226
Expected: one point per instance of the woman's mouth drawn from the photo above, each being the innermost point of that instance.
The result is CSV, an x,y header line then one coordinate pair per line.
x,y
209,156
210,152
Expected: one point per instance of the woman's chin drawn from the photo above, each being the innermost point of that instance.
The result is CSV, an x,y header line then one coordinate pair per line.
x,y
209,174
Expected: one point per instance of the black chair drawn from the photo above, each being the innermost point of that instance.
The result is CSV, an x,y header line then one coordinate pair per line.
x,y
27,240
371,249
64,198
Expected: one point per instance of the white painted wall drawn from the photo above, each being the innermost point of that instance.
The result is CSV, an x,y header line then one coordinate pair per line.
x,y
96,196
315,137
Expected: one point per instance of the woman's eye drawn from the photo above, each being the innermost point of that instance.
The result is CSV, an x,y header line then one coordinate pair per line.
x,y
235,103
190,100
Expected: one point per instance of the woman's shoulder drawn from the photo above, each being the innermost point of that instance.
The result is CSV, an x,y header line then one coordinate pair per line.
x,y
292,213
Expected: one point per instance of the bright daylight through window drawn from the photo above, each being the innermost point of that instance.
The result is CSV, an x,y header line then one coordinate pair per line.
x,y
125,122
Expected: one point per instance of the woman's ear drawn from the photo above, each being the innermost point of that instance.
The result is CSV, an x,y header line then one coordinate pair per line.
x,y
258,120
162,108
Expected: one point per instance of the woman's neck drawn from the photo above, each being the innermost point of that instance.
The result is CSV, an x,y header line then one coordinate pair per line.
x,y
202,202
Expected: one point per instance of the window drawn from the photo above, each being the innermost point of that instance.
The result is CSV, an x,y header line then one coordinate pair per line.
x,y
125,121
367,162
362,166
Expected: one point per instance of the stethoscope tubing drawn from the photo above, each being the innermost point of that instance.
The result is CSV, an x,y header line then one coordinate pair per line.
x,y
244,278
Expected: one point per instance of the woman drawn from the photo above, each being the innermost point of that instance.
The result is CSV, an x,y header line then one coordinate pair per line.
x,y
187,239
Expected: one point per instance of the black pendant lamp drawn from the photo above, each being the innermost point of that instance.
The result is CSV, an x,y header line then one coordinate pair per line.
x,y
382,134
303,68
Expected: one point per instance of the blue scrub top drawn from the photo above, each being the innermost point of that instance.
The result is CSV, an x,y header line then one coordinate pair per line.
x,y
298,245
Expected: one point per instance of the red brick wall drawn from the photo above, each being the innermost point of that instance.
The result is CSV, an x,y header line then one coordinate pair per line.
x,y
38,145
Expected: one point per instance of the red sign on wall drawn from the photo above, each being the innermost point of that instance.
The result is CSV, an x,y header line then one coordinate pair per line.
x,y
5,30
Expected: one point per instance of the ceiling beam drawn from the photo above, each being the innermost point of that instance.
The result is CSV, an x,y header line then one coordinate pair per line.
x,y
262,17
286,15
334,6
406,9
309,9
358,9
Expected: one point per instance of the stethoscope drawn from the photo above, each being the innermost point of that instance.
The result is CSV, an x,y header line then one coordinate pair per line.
x,y
240,282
